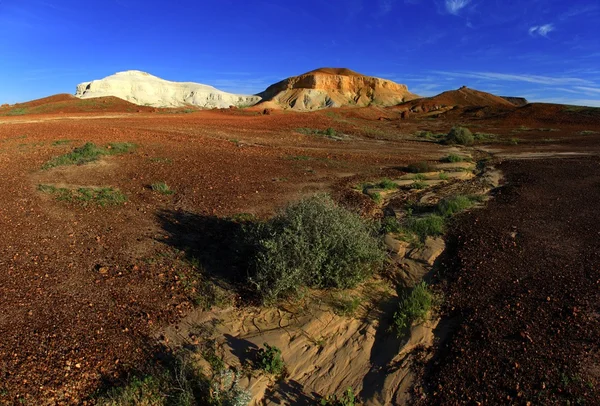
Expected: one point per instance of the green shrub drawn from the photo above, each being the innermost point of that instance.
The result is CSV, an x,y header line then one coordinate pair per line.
x,y
453,158
460,135
330,132
346,306
313,243
269,360
347,399
449,206
419,167
418,184
387,184
85,195
390,224
443,176
413,307
423,227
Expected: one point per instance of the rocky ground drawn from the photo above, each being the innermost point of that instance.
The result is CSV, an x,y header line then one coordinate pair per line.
x,y
522,291
85,289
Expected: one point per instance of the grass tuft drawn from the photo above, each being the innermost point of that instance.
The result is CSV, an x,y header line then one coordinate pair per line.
x,y
89,152
85,195
413,307
162,188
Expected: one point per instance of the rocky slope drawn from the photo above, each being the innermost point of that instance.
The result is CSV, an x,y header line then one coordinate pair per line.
x,y
144,89
517,101
333,87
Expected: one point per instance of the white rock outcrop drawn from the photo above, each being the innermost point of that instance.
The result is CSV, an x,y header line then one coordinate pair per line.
x,y
147,90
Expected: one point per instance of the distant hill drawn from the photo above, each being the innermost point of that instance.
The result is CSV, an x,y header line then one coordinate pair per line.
x,y
66,103
333,87
463,97
517,101
144,89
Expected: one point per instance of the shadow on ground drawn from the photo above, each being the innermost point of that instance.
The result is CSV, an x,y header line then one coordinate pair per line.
x,y
217,244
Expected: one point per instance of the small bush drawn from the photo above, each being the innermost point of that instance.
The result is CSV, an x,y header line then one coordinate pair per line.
x,y
347,399
453,158
444,176
419,167
413,307
346,306
460,136
418,184
387,184
313,243
376,197
452,205
390,224
423,227
269,360
330,132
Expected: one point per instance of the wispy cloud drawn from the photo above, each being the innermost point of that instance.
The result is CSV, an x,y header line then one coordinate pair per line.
x,y
542,30
587,89
538,79
454,6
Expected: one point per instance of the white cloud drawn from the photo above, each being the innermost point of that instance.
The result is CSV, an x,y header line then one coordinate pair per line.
x,y
588,89
454,6
542,30
544,80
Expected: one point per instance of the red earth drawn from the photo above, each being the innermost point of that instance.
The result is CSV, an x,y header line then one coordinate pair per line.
x,y
84,289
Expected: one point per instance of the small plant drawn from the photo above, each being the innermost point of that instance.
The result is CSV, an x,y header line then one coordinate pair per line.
x,y
61,142
84,196
587,132
387,184
269,360
460,136
452,205
162,188
418,184
514,141
313,243
390,224
413,307
443,176
347,399
346,306
419,167
423,227
419,176
89,152
376,197
484,136
330,132
453,158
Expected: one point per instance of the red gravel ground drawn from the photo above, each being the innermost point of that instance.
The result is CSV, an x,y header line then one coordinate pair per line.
x,y
522,290
84,289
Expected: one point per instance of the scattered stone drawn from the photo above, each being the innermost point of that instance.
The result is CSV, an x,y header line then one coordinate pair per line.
x,y
428,253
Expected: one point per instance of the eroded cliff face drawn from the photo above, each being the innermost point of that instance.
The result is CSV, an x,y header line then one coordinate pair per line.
x,y
329,87
147,90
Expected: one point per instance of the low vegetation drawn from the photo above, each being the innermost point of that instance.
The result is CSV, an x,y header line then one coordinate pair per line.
x,y
460,136
181,384
453,158
413,307
346,306
162,188
88,153
347,399
313,243
419,167
329,132
269,360
85,196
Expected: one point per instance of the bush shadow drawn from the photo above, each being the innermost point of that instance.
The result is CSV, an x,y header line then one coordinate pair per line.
x,y
217,244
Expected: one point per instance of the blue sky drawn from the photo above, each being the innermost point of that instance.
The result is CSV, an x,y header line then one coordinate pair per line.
x,y
545,50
